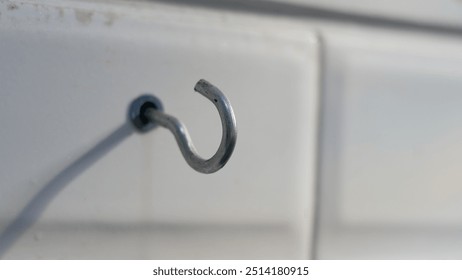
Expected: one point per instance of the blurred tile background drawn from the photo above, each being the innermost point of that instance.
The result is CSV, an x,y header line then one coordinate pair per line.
x,y
348,129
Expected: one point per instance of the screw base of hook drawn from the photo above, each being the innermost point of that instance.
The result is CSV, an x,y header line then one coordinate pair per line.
x,y
137,109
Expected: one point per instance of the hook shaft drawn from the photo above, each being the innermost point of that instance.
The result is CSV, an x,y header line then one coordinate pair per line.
x,y
229,132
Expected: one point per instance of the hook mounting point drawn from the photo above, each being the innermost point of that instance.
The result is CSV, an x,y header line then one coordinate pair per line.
x,y
137,109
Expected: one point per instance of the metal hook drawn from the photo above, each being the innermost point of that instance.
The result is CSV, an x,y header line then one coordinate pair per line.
x,y
146,112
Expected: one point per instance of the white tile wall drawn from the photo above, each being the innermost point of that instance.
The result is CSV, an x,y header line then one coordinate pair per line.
x,y
68,73
428,12
391,154
389,137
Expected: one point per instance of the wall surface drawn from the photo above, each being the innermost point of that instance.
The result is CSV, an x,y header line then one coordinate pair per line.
x,y
390,183
429,12
348,129
77,182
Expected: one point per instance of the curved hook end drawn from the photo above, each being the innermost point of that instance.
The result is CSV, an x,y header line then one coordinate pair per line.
x,y
202,85
208,90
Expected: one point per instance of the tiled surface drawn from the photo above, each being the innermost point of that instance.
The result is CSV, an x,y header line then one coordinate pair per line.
x,y
391,151
71,71
429,12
